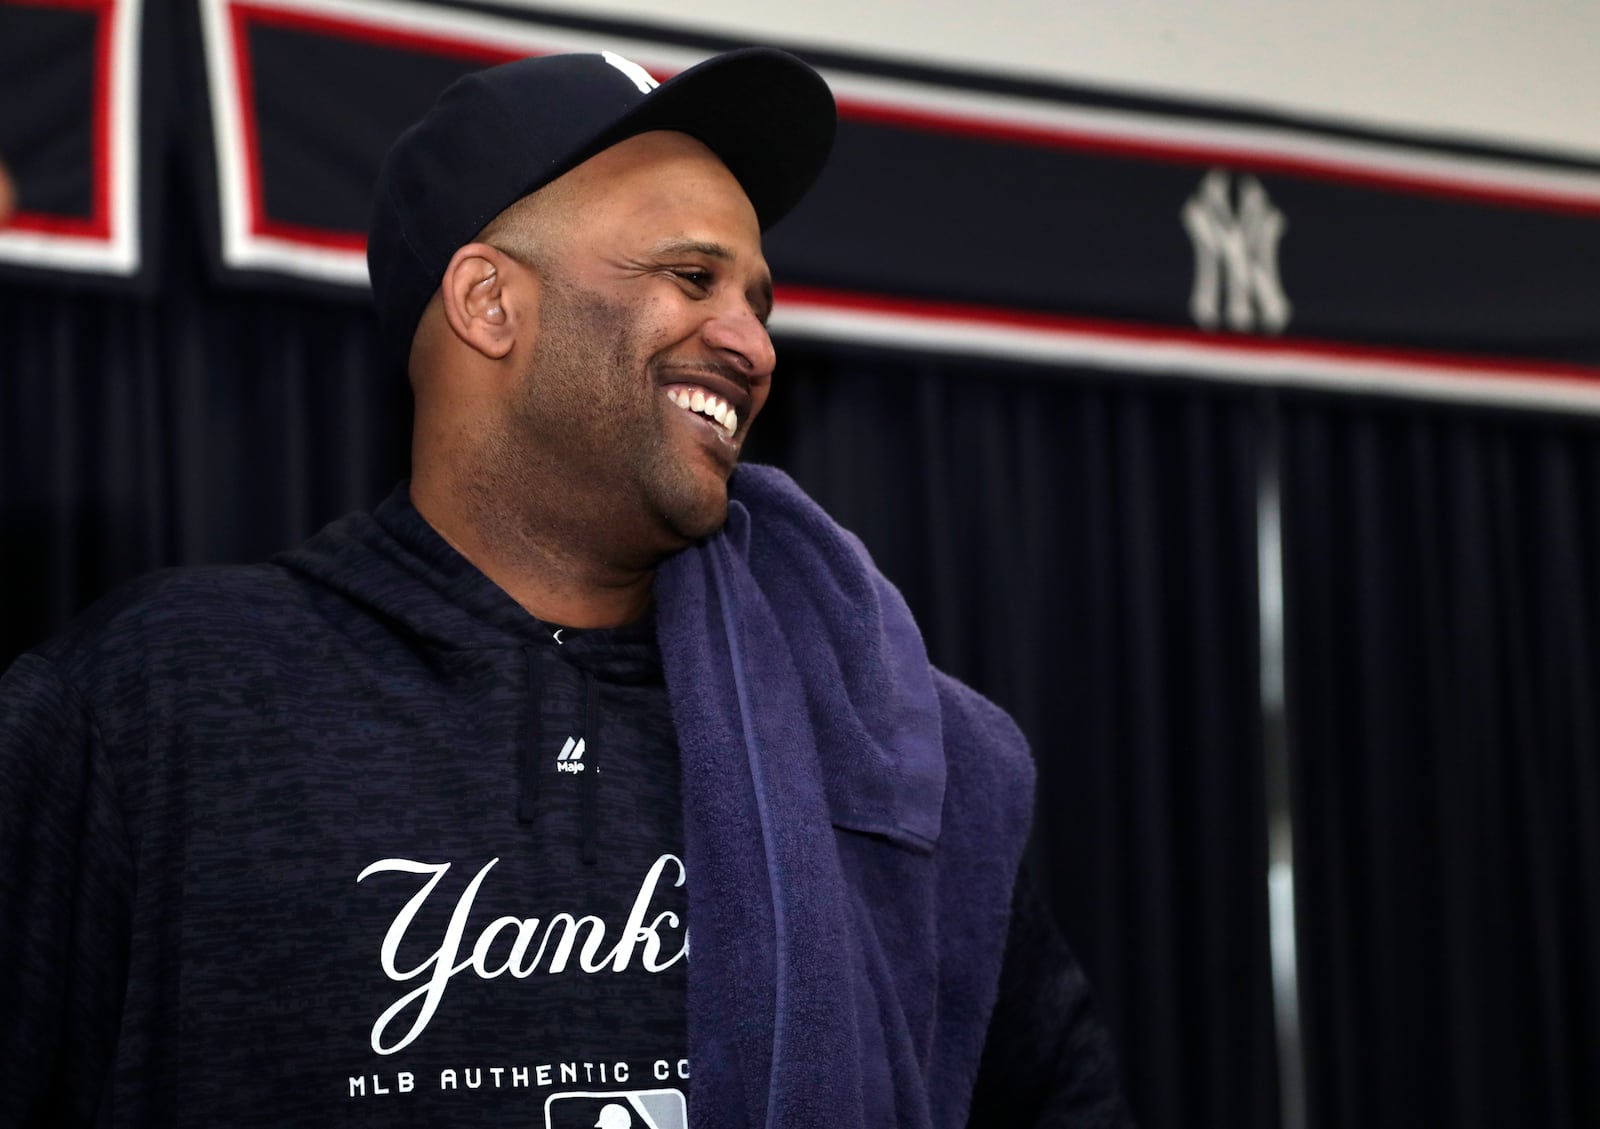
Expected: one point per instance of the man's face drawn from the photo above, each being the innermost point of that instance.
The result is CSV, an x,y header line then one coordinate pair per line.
x,y
651,357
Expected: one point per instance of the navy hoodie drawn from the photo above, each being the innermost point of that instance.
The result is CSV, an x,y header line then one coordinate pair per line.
x,y
351,837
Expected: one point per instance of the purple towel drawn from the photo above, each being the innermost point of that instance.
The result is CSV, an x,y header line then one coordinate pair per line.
x,y
815,763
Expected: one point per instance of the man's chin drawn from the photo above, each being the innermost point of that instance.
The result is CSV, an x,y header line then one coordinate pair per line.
x,y
702,523
697,514
690,503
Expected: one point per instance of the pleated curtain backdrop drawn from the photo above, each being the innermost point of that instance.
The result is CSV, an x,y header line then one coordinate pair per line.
x,y
1443,590
201,427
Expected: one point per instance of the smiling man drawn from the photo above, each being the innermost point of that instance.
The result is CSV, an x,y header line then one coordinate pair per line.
x,y
591,776
604,339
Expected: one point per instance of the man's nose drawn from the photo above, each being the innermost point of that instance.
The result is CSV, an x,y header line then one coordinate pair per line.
x,y
738,334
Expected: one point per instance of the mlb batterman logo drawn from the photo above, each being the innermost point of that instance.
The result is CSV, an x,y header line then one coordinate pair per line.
x,y
617,1109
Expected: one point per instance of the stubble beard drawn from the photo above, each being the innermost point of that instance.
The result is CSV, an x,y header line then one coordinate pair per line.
x,y
588,440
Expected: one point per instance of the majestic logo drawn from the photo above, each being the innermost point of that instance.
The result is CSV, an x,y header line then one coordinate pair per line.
x,y
520,946
640,77
570,758
1236,250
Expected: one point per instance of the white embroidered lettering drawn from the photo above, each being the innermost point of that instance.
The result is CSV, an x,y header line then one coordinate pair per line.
x,y
569,931
513,945
442,960
635,930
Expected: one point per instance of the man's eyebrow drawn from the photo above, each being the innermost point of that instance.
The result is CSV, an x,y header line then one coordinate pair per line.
x,y
723,254
695,247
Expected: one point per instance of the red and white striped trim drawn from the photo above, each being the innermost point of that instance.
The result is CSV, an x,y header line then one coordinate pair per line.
x,y
108,241
976,331
1202,142
251,240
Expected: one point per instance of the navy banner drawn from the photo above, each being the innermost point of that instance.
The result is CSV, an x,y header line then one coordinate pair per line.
x,y
961,212
75,140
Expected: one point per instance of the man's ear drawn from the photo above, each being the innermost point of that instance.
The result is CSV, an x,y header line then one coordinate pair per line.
x,y
484,304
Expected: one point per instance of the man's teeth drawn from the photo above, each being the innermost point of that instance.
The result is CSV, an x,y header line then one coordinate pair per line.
x,y
708,405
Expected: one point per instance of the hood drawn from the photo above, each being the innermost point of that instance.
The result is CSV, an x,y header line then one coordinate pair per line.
x,y
398,567
394,563
781,574
411,582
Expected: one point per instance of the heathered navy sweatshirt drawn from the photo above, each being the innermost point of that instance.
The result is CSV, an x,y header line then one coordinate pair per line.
x,y
349,837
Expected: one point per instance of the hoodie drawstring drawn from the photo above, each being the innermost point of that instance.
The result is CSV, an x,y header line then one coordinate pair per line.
x,y
587,796
532,741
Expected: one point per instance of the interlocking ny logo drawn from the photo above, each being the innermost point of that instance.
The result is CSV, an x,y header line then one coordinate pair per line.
x,y
1236,249
640,77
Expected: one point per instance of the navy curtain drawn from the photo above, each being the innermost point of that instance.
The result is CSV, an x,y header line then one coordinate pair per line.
x,y
1443,606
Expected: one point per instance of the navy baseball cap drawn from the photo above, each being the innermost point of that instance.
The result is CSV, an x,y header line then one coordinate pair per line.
x,y
498,134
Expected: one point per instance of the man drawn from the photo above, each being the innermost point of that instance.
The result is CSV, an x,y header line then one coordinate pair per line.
x,y
414,823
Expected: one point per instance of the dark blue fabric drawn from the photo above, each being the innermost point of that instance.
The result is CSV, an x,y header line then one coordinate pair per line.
x,y
220,793
854,822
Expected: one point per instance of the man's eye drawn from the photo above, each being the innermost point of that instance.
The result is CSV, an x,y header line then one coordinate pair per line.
x,y
694,276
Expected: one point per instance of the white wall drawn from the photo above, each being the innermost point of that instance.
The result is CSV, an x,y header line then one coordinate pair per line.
x,y
1525,74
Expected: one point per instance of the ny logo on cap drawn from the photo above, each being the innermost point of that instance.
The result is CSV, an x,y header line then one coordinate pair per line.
x,y
640,77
